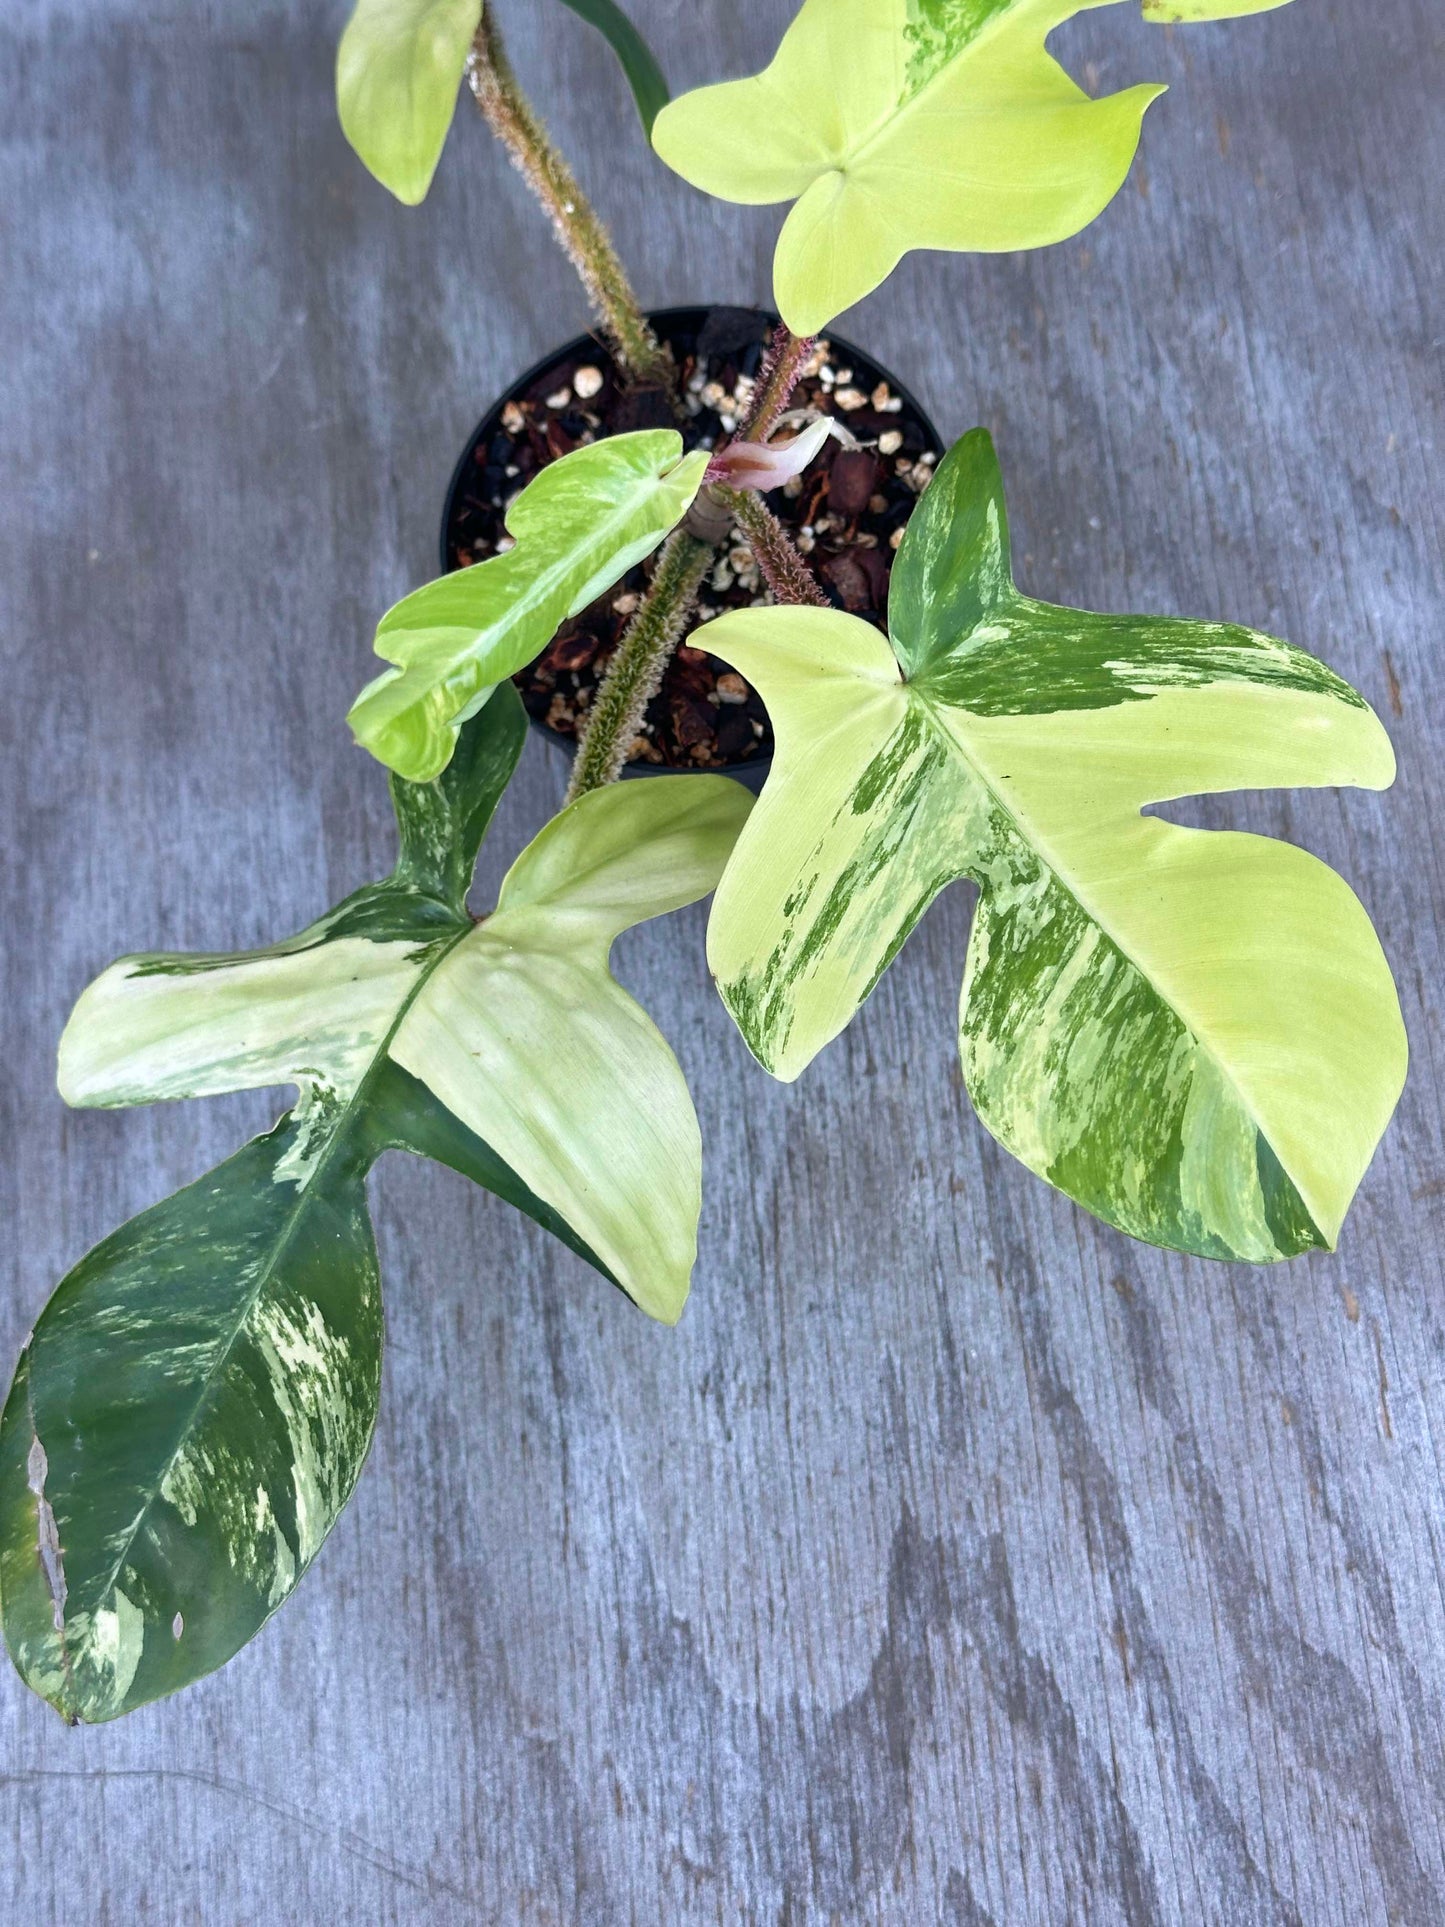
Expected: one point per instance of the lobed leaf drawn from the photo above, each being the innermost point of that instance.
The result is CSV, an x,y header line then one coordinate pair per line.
x,y
398,68
1194,1034
901,124
194,1405
578,528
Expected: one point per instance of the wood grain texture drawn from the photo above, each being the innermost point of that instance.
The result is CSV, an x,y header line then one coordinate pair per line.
x,y
954,1561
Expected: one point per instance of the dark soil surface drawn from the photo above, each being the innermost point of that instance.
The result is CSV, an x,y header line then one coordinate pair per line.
x,y
846,512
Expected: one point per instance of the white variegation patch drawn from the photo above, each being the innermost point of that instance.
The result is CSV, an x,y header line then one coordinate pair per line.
x,y
169,1027
307,1364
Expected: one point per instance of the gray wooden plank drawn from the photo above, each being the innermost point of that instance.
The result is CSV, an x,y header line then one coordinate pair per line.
x,y
953,1561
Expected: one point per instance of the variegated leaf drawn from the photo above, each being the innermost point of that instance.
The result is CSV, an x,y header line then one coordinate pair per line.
x,y
398,68
578,528
1193,1034
900,124
185,1424
194,1405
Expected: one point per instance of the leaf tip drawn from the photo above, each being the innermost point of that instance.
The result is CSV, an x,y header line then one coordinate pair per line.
x,y
668,1311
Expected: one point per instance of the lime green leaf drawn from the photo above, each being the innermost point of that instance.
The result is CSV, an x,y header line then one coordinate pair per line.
x,y
899,124
1194,1034
578,528
644,76
398,68
194,1405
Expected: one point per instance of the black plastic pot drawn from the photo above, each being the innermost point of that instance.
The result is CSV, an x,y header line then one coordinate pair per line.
x,y
681,329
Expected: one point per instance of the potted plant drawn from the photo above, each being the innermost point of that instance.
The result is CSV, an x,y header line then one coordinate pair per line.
x,y
1194,1035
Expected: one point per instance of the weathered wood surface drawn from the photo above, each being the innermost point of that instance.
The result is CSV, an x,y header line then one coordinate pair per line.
x,y
954,1561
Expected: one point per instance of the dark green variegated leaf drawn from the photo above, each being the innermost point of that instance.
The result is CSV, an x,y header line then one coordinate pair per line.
x,y
578,528
644,76
186,1423
1194,1034
398,68
900,124
194,1405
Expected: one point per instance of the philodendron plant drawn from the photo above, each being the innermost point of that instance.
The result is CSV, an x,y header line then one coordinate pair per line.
x,y
1193,1034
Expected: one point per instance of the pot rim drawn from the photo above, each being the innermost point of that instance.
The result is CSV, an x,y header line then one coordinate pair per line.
x,y
660,318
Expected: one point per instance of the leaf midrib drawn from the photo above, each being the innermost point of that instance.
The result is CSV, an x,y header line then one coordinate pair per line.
x,y
265,1270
